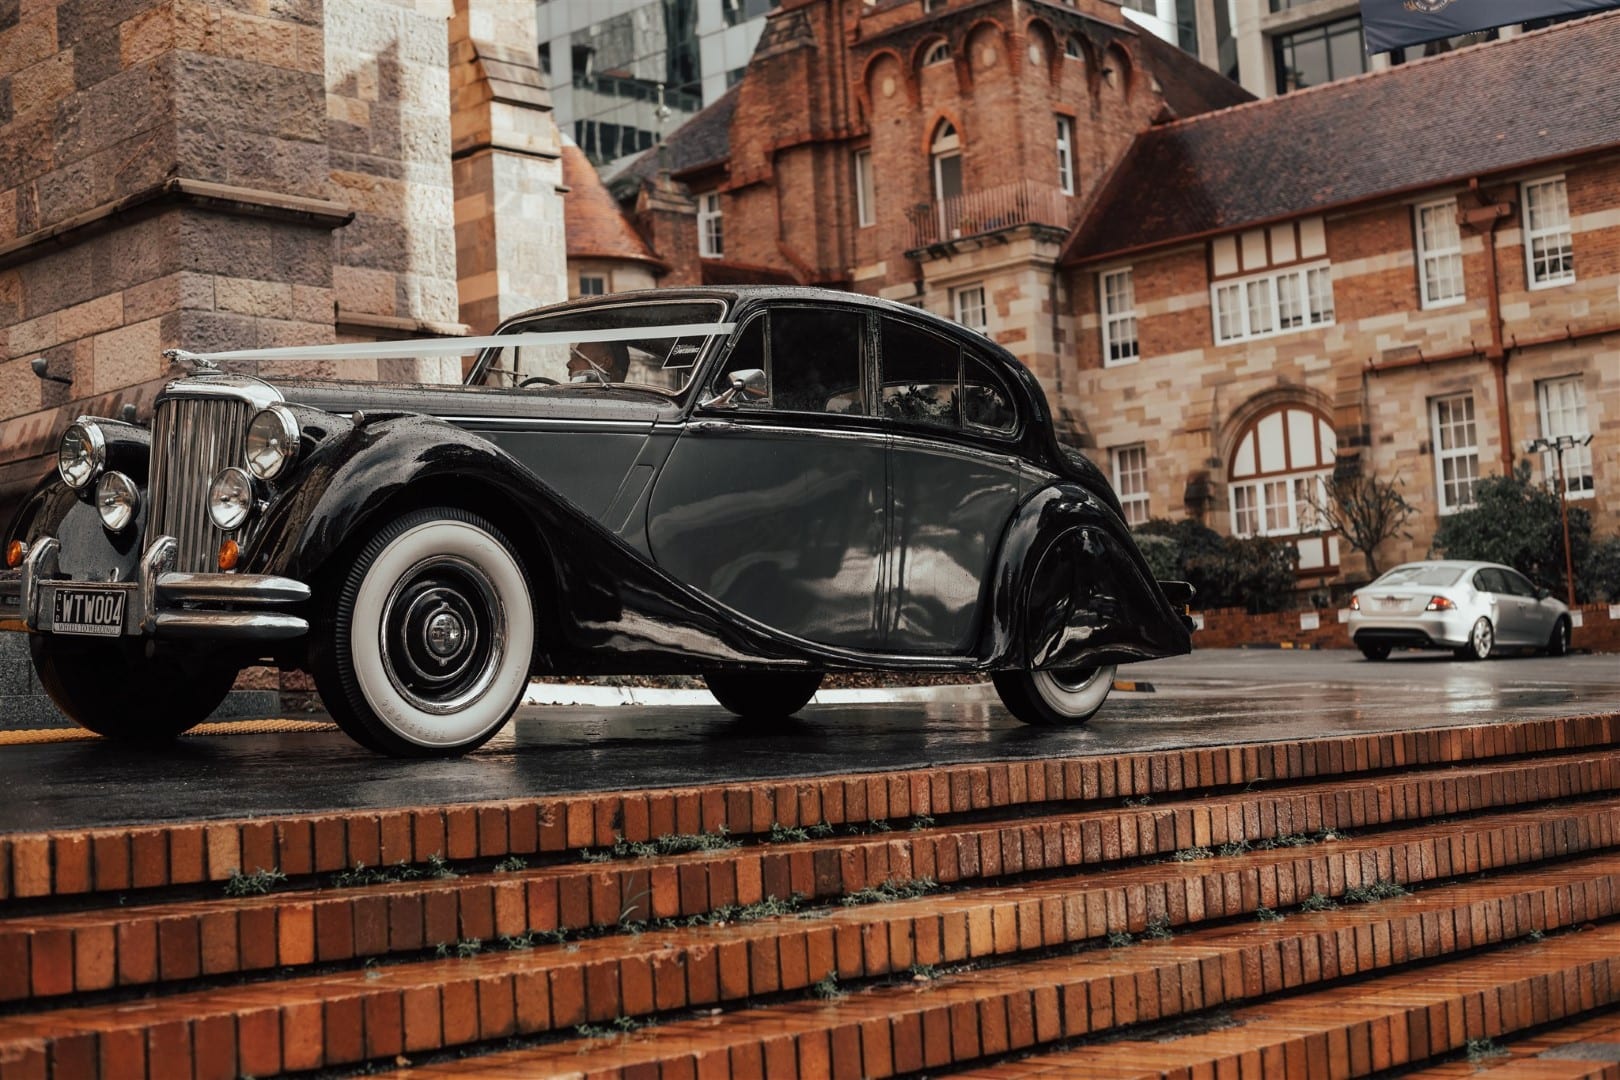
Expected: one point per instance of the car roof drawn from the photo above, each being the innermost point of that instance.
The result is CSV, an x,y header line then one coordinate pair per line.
x,y
1461,564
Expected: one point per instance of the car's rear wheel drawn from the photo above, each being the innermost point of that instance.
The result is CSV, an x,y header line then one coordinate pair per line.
x,y
1055,698
1481,640
763,695
115,690
1374,652
1558,643
425,649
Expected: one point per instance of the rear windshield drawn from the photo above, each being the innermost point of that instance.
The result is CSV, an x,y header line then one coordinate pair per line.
x,y
1435,574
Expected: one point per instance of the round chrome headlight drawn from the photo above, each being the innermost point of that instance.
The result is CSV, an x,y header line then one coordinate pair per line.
x,y
230,498
272,441
117,500
81,455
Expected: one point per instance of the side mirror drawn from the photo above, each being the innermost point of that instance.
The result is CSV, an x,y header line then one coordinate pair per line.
x,y
1542,594
747,388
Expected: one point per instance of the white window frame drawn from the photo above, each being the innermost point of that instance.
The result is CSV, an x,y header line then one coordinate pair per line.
x,y
600,281
1065,153
1116,304
1265,299
938,53
865,192
1566,417
1131,482
1438,255
968,301
1459,452
711,226
1564,230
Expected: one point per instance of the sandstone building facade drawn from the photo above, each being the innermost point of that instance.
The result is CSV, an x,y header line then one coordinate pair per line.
x,y
184,173
1225,299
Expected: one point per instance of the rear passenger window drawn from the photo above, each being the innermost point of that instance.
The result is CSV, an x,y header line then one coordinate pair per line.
x,y
815,360
985,402
1490,581
920,376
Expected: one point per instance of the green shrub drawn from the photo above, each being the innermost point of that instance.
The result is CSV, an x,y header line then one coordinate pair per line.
x,y
1256,573
1516,522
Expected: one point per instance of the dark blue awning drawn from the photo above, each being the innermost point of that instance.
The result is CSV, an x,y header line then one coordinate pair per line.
x,y
1395,24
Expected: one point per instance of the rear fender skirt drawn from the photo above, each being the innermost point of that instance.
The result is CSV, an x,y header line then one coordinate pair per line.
x,y
1071,589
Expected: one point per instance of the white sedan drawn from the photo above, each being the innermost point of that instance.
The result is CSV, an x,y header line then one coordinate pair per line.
x,y
1471,608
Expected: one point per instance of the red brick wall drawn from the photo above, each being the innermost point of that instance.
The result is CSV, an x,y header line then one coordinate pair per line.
x,y
1233,627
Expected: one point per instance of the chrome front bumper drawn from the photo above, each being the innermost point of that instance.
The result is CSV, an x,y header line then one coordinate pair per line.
x,y
161,602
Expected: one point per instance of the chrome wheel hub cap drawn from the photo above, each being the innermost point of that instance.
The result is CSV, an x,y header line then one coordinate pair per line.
x,y
443,634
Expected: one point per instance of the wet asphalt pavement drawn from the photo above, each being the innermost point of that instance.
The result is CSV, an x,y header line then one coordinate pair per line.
x,y
1214,696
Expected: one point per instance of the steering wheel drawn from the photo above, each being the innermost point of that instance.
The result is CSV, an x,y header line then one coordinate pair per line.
x,y
536,380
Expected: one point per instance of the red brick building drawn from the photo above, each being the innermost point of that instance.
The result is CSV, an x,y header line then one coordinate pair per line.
x,y
1224,298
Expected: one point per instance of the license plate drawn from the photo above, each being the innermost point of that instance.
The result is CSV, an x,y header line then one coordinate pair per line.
x,y
89,611
1392,604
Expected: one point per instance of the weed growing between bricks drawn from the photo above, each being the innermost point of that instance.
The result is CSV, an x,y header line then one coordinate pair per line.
x,y
255,884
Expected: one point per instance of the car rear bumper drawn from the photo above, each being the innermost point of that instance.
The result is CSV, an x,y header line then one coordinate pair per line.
x,y
1430,630
160,602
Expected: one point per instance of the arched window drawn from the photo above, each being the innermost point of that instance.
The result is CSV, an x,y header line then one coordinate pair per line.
x,y
1072,50
1278,470
938,53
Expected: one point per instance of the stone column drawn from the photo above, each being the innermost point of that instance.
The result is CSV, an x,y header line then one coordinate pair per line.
x,y
510,251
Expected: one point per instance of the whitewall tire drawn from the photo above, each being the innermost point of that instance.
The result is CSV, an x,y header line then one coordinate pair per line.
x,y
1055,698
428,647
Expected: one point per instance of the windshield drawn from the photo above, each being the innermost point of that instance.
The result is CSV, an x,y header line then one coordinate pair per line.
x,y
1432,574
657,360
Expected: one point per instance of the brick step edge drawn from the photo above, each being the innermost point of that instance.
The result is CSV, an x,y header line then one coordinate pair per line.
x,y
266,1029
77,862
50,956
1588,1044
960,1019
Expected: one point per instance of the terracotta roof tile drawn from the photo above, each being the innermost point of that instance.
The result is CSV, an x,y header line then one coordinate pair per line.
x,y
1547,95
595,225
1187,86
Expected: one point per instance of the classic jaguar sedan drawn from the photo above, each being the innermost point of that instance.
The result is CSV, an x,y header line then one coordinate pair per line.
x,y
754,485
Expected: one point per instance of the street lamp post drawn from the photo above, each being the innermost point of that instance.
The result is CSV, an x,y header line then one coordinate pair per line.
x,y
1558,444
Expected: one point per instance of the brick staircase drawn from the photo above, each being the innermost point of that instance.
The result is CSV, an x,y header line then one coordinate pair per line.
x,y
1441,903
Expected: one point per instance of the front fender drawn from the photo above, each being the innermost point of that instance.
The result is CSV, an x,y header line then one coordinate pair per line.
x,y
360,469
1071,589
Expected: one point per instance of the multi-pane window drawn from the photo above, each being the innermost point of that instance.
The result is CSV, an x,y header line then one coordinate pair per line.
x,y
1456,450
970,308
1065,154
1318,54
1278,471
865,195
1548,247
1562,403
1273,303
591,285
1118,317
1131,482
740,11
938,53
1439,248
711,230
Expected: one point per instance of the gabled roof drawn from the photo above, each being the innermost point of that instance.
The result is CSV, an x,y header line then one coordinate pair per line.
x,y
1187,86
1544,96
593,223
703,140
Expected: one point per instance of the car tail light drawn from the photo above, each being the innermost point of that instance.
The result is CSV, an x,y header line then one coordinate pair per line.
x,y
1440,603
1355,603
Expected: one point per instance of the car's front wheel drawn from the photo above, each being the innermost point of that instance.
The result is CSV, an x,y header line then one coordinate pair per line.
x,y
115,690
426,646
1055,698
763,695
1481,640
1558,643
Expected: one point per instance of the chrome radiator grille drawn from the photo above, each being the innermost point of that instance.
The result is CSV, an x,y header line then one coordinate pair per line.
x,y
192,440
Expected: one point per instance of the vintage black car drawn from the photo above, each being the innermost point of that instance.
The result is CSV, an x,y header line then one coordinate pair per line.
x,y
753,485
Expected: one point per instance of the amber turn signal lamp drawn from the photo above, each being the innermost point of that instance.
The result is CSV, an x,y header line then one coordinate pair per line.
x,y
228,554
15,552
